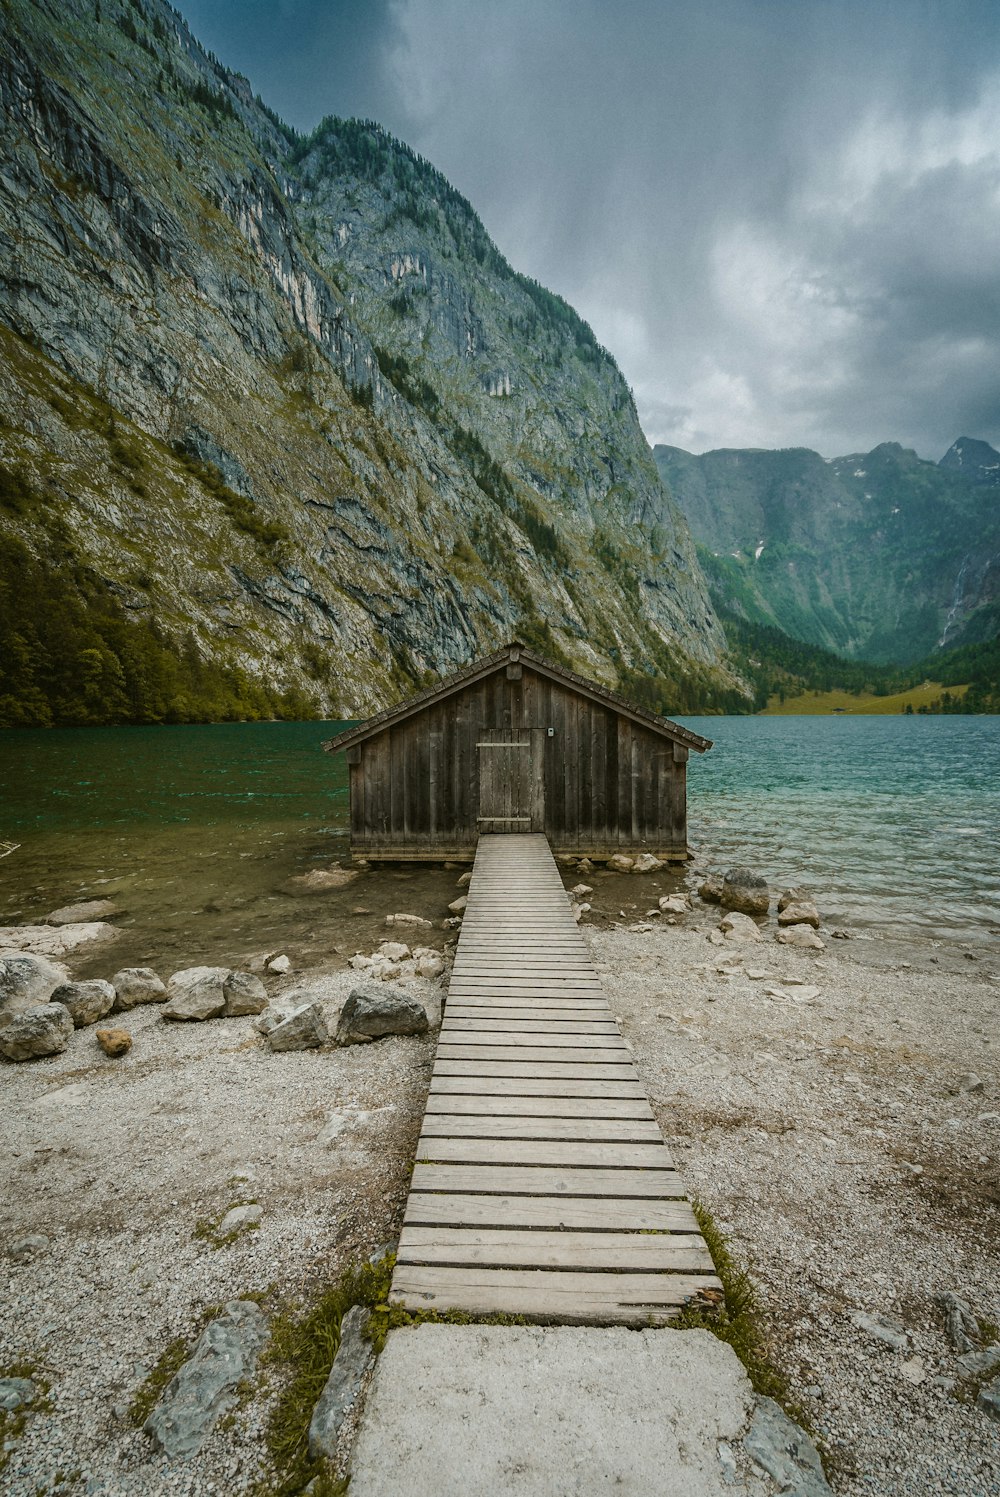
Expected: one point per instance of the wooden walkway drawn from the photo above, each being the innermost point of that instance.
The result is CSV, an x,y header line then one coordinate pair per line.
x,y
542,1185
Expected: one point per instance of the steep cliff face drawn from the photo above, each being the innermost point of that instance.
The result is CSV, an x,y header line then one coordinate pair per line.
x,y
284,400
878,556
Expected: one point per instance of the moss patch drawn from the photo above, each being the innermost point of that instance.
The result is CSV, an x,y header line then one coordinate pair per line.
x,y
13,1421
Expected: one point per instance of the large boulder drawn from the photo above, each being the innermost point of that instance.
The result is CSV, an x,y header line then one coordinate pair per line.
x,y
674,904
87,1001
737,927
646,863
800,935
196,993
745,891
206,1385
305,1029
76,914
370,1014
26,979
41,1029
795,895
134,985
244,994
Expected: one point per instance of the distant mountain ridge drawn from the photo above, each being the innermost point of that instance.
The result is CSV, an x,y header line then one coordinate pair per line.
x,y
879,556
276,407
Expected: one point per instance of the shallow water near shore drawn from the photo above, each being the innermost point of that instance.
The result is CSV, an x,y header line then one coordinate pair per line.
x,y
195,831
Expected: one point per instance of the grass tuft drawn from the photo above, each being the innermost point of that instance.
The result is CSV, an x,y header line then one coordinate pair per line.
x,y
737,1321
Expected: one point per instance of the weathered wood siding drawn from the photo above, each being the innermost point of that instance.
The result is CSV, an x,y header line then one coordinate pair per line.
x,y
609,782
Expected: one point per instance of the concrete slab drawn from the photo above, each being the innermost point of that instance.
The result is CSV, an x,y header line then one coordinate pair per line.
x,y
556,1411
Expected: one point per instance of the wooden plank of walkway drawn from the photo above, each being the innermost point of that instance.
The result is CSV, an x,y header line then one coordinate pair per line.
x,y
542,1186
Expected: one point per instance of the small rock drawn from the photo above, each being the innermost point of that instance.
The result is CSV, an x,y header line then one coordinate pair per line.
x,y
756,974
646,863
280,964
840,935
674,904
458,905
451,923
205,1386
394,951
270,1018
78,914
793,896
584,866
354,1356
196,993
580,891
134,985
579,910
641,929
304,1029
799,913
465,880
114,1042
15,1392
737,927
620,863
785,1452
360,909
430,966
913,1170
369,1015
710,889
882,1330
407,920
968,1082
86,1001
746,892
800,935
989,1399
27,1247
913,1371
42,1029
717,938
244,994
238,1217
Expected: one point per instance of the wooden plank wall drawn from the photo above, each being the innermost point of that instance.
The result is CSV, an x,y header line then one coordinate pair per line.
x,y
609,783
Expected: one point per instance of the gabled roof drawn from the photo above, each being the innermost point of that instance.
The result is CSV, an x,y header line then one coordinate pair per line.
x,y
513,652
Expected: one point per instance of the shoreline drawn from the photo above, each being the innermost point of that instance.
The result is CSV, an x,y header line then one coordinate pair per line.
x,y
799,1125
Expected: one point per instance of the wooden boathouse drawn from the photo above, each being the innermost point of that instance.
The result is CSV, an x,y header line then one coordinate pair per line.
x,y
515,743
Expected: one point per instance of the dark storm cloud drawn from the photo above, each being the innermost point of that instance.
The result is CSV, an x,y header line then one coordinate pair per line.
x,y
781,217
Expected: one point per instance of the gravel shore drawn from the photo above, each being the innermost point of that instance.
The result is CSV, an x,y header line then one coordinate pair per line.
x,y
846,1140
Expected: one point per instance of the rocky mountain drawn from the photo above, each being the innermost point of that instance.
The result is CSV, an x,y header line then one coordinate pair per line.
x,y
281,428
977,461
878,556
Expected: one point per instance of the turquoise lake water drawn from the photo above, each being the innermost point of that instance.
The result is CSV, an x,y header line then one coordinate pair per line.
x,y
893,822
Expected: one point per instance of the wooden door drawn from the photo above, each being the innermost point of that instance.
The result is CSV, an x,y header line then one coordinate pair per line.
x,y
511,781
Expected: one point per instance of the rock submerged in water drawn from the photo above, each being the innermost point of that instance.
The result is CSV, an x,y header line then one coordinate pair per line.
x,y
620,863
372,1014
134,985
79,914
41,1029
746,892
86,1001
322,880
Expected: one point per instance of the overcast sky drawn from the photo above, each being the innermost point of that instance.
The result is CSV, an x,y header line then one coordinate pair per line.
x,y
781,216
